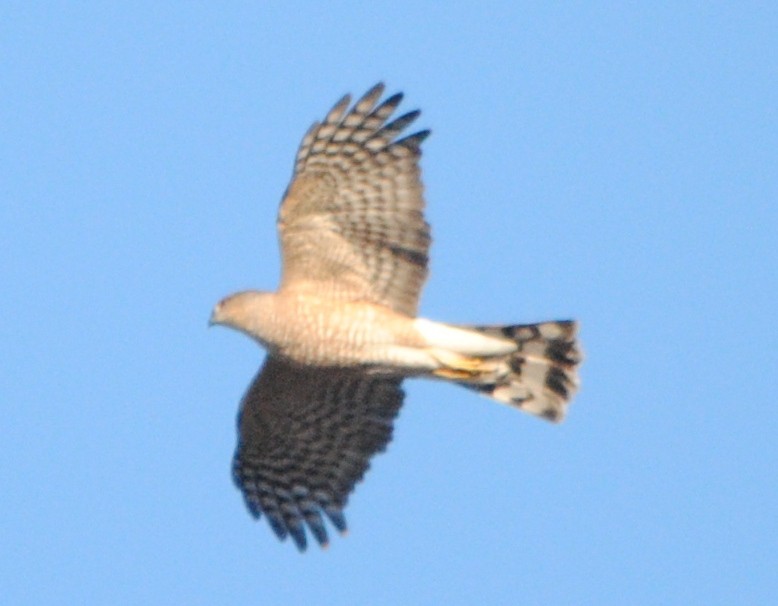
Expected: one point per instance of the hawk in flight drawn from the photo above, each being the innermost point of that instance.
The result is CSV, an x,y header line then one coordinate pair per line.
x,y
342,330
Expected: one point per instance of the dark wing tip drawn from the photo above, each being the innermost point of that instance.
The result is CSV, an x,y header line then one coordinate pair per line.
x,y
338,519
298,536
375,91
413,142
396,126
277,525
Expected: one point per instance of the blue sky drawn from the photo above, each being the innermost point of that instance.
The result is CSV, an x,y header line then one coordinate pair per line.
x,y
602,161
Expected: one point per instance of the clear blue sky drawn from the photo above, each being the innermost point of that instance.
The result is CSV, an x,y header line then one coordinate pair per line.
x,y
590,160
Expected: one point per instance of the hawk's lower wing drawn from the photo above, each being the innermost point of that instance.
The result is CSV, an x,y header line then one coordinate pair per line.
x,y
306,436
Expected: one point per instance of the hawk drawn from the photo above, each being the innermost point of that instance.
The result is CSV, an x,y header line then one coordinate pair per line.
x,y
342,332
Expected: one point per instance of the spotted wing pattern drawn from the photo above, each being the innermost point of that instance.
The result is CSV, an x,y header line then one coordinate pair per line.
x,y
306,436
351,223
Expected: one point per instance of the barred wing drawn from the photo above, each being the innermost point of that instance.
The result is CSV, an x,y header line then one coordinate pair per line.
x,y
306,436
351,223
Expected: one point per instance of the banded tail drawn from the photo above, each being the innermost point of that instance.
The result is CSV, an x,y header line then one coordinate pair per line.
x,y
537,374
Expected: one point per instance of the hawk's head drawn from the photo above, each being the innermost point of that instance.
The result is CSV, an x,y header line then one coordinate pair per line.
x,y
242,311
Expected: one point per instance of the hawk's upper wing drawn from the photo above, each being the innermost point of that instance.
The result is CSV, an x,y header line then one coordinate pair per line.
x,y
351,223
306,436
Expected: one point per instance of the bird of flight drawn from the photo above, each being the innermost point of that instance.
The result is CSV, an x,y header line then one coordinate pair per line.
x,y
342,331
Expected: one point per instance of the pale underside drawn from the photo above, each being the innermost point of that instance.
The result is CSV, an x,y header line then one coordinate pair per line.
x,y
342,331
351,229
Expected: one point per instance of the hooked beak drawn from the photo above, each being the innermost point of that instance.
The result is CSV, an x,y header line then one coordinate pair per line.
x,y
213,320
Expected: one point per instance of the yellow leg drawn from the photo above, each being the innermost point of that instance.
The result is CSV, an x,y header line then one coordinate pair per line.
x,y
454,374
459,367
